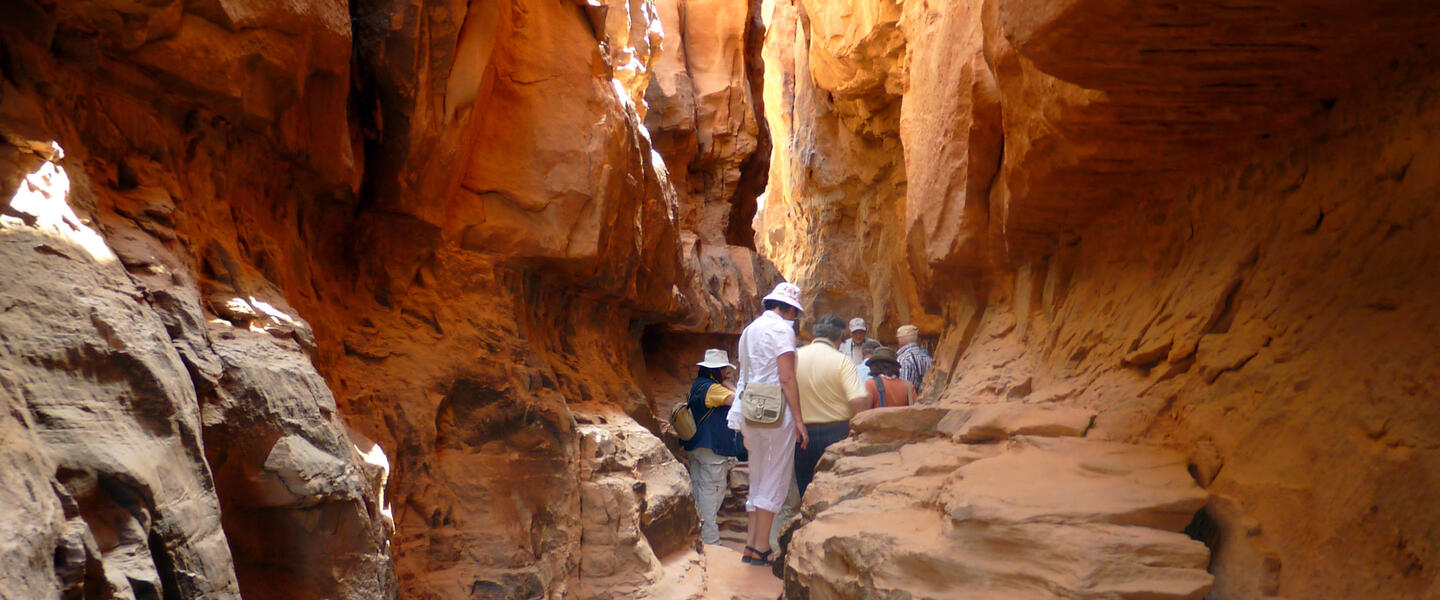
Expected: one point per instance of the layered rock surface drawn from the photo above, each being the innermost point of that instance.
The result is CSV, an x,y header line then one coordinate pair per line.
x,y
942,139
347,255
1206,223
303,261
108,492
978,503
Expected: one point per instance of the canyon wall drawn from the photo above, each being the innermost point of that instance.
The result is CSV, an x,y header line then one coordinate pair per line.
x,y
1211,225
346,300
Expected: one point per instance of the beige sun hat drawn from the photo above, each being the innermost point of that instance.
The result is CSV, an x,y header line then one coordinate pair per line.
x,y
716,358
788,293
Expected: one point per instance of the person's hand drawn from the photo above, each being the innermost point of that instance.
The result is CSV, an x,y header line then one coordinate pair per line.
x,y
802,433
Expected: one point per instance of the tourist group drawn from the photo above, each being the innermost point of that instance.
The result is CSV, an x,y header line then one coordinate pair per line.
x,y
783,405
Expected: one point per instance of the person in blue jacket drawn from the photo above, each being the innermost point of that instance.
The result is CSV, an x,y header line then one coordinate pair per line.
x,y
710,397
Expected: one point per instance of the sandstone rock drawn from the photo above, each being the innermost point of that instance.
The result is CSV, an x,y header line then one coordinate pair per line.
x,y
952,95
1148,212
987,422
117,487
41,554
301,518
636,508
705,111
836,136
253,187
899,423
1034,517
728,282
1145,210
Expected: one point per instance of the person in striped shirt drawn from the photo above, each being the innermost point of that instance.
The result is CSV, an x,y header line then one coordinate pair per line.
x,y
914,360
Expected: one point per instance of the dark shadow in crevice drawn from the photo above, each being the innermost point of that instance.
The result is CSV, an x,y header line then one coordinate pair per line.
x,y
1205,529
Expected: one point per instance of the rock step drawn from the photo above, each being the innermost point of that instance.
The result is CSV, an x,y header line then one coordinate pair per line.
x,y
995,501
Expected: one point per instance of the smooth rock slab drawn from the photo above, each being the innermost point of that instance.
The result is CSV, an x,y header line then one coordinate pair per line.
x,y
1030,518
986,422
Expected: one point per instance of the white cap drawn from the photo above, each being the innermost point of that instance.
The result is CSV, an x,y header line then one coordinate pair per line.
x,y
857,324
788,293
716,358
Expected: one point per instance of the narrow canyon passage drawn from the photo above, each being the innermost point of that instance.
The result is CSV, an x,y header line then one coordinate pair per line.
x,y
374,299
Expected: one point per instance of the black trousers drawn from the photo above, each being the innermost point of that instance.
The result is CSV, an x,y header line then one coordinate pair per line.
x,y
821,436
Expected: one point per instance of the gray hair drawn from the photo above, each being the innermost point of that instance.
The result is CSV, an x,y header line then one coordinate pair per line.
x,y
829,327
870,346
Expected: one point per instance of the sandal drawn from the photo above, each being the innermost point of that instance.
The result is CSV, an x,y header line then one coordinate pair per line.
x,y
760,558
748,556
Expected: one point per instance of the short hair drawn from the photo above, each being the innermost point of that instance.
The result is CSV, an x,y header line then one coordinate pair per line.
x,y
870,346
829,327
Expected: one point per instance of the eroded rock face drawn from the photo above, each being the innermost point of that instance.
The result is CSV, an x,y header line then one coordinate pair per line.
x,y
1196,221
705,114
918,512
1010,136
110,494
378,251
836,179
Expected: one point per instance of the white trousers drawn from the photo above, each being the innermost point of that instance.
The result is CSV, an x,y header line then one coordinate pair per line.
x,y
708,481
772,463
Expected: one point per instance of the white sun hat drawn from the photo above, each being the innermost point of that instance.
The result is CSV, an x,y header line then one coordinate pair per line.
x,y
716,358
788,293
857,324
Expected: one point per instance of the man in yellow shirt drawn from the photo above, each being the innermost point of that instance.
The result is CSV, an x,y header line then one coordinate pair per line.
x,y
830,393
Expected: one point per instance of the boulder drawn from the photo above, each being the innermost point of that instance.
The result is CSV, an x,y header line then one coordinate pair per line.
x,y
102,422
990,422
1031,517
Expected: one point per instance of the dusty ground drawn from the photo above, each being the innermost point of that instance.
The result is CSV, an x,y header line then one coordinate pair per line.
x,y
727,578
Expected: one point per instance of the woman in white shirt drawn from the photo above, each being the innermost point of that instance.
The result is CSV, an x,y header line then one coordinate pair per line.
x,y
767,355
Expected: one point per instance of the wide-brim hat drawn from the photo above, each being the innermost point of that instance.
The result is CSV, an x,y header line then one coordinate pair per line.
x,y
882,355
716,358
788,293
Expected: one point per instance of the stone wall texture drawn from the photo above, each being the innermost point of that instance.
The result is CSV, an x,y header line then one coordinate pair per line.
x,y
1211,224
345,299
384,298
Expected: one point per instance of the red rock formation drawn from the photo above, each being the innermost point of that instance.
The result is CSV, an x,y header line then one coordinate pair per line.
x,y
984,503
1202,222
451,212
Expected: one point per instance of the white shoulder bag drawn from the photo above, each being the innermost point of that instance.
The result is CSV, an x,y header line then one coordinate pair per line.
x,y
762,403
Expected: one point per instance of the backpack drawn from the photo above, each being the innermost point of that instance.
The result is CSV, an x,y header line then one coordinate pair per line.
x,y
684,421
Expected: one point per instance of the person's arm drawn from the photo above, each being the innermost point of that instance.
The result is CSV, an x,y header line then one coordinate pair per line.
x,y
791,389
718,395
854,389
871,398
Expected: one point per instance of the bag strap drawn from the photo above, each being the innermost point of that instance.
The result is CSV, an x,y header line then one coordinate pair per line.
x,y
707,413
915,365
880,390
